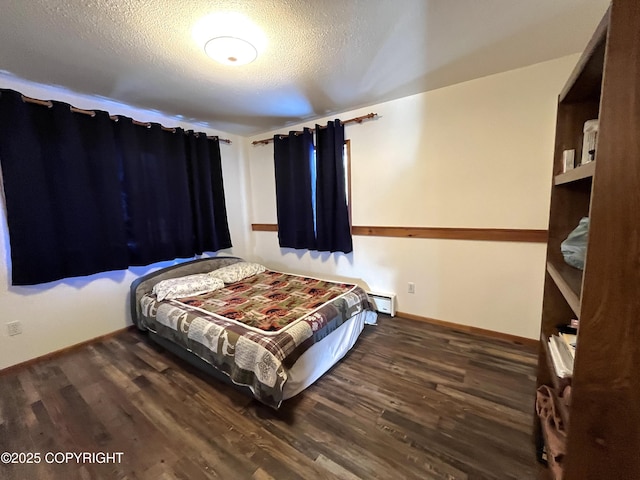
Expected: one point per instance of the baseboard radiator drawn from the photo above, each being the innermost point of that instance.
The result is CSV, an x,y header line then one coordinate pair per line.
x,y
384,302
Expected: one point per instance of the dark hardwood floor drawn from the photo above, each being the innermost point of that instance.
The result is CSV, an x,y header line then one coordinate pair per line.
x,y
411,400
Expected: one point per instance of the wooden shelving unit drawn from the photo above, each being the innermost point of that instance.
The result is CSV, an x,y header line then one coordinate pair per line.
x,y
603,419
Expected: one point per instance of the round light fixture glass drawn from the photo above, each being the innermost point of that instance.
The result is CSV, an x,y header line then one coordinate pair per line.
x,y
231,50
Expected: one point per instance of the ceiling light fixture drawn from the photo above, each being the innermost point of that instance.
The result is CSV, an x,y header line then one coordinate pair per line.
x,y
231,50
229,38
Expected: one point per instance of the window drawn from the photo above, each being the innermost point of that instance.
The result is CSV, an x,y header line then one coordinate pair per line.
x,y
346,164
346,161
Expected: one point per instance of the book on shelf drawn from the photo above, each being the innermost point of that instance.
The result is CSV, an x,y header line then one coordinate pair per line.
x,y
560,357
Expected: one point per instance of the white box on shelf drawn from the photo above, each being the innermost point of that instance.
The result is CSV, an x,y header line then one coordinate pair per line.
x,y
384,302
568,160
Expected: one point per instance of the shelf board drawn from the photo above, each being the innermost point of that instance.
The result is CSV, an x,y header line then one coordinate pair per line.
x,y
569,282
579,173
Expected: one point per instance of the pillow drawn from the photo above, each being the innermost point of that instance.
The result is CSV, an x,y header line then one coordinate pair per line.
x,y
237,271
187,286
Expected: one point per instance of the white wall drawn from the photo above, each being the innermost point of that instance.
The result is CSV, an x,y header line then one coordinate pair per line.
x,y
476,154
63,313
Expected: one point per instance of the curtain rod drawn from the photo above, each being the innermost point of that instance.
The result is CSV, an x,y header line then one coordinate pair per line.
x,y
351,120
48,103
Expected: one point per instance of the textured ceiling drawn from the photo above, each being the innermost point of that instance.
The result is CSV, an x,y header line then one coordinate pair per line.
x,y
322,57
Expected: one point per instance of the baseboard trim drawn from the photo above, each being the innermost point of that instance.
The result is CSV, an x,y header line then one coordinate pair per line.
x,y
62,351
506,337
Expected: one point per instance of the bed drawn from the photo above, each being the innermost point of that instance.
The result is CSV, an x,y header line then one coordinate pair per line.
x,y
268,332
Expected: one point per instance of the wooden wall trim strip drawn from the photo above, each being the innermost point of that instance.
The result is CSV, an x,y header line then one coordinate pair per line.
x,y
264,227
57,353
483,234
531,343
491,234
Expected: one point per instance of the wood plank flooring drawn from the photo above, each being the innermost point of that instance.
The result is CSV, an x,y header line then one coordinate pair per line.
x,y
410,401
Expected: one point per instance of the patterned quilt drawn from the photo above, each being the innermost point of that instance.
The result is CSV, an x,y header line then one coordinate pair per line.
x,y
254,330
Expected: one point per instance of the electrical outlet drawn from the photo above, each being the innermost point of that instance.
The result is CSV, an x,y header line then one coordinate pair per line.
x,y
14,328
412,287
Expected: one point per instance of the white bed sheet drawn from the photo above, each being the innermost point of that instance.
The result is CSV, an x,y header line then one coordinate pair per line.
x,y
321,356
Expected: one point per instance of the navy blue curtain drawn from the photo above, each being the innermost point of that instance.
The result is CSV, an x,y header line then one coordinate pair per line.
x,y
293,155
333,228
62,191
209,211
155,192
86,194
